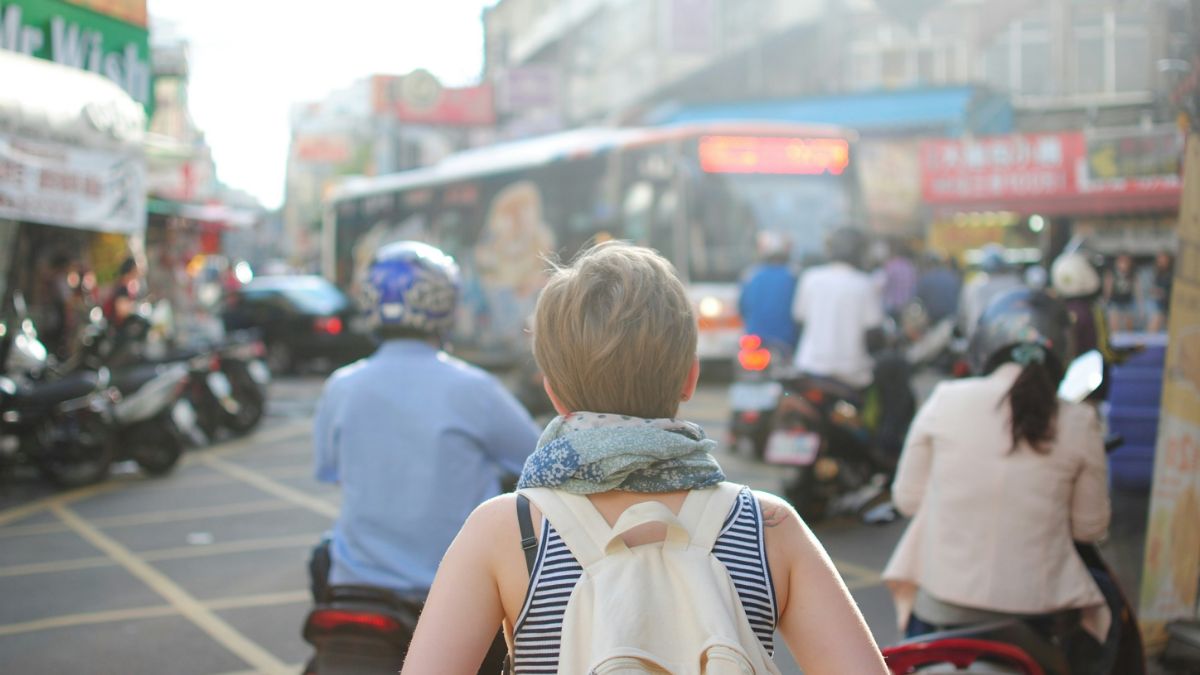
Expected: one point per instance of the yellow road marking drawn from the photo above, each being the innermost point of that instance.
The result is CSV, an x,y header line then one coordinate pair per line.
x,y
155,612
296,429
184,602
262,600
174,553
131,614
158,517
270,486
861,571
55,566
295,668
25,510
241,546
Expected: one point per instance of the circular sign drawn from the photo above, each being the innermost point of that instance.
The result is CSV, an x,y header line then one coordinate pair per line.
x,y
420,90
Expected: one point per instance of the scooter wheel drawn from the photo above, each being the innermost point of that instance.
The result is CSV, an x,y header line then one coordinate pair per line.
x,y
251,406
158,458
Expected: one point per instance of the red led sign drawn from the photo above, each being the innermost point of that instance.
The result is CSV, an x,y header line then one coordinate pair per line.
x,y
774,154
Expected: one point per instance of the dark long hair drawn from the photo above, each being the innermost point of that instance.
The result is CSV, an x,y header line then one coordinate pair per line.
x,y
1033,399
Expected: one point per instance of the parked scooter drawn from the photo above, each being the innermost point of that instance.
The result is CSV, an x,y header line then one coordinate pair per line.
x,y
64,427
755,393
1012,646
154,420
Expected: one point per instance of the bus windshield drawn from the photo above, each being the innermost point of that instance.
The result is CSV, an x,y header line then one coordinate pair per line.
x,y
733,207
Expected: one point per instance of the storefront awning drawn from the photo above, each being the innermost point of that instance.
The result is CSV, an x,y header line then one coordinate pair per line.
x,y
950,111
219,214
70,148
44,101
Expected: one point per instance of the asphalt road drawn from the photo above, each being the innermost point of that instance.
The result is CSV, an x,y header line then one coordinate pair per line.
x,y
203,572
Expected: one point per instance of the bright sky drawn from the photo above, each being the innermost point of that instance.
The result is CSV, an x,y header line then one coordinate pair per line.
x,y
250,61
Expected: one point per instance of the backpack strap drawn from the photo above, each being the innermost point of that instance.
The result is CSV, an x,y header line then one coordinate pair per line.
x,y
528,541
580,526
704,512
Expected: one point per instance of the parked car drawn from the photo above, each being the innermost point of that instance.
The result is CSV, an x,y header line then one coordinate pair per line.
x,y
302,319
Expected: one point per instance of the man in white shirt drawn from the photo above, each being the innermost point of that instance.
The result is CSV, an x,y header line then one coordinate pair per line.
x,y
841,312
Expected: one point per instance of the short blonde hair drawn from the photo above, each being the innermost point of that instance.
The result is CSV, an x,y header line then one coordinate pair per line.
x,y
614,332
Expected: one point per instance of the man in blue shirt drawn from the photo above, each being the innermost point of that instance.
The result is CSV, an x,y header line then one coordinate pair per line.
x,y
765,302
415,437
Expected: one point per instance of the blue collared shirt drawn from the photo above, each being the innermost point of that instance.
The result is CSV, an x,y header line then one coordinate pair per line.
x,y
417,439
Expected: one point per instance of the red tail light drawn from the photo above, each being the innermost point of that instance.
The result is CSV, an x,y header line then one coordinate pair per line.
x,y
332,619
815,395
751,355
750,416
214,364
328,324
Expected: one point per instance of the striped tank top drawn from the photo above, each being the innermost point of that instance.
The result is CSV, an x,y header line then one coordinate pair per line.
x,y
739,547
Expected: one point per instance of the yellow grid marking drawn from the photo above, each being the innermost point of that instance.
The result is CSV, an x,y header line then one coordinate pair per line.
x,y
181,600
154,612
239,546
155,518
88,618
270,486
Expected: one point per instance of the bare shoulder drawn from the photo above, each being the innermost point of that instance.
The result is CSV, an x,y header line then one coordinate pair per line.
x,y
775,509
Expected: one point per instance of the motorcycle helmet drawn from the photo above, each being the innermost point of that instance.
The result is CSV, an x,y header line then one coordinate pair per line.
x,y
1074,276
413,286
1025,321
992,260
847,244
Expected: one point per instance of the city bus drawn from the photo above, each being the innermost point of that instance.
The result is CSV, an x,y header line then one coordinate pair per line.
x,y
698,194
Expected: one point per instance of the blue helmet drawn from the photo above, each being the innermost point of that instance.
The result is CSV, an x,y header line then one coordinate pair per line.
x,y
413,285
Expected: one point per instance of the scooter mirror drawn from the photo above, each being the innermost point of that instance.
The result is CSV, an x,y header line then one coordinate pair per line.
x,y
1084,376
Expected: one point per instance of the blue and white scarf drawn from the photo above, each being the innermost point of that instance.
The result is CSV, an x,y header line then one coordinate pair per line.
x,y
587,452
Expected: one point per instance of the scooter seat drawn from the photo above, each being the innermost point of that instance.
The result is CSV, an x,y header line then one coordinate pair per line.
x,y
74,385
1013,632
131,379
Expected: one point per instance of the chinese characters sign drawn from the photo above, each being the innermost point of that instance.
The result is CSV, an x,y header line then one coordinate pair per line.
x,y
49,183
1062,166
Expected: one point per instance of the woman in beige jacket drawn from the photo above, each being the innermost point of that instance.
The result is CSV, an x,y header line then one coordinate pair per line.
x,y
1000,476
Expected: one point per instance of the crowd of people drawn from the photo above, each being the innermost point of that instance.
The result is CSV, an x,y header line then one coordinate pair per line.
x,y
615,337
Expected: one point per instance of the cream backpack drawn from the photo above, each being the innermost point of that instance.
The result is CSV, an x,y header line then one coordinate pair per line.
x,y
668,607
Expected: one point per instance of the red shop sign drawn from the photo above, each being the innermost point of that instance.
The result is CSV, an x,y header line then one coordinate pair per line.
x,y
1056,172
1000,167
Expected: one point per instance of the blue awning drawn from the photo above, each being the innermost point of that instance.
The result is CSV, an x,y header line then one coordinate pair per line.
x,y
949,111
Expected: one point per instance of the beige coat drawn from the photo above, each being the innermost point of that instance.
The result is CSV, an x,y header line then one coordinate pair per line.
x,y
993,529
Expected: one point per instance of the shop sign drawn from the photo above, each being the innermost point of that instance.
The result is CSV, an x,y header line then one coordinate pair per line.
x,y
86,39
998,167
1031,166
58,185
418,98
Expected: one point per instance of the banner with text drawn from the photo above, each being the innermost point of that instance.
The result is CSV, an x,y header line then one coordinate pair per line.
x,y
57,185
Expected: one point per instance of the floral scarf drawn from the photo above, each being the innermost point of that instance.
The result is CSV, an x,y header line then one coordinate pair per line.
x,y
586,453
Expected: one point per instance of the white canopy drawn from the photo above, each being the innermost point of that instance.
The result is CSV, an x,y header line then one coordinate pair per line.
x,y
44,101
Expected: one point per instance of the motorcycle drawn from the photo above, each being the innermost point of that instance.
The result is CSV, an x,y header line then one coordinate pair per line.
x,y
243,363
154,420
62,428
842,442
1013,646
360,630
754,394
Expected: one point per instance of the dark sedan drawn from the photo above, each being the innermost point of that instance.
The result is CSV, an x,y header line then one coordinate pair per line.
x,y
304,321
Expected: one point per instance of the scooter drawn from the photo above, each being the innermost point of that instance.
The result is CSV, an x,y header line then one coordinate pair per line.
x,y
154,420
360,630
755,394
819,428
63,428
1012,646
